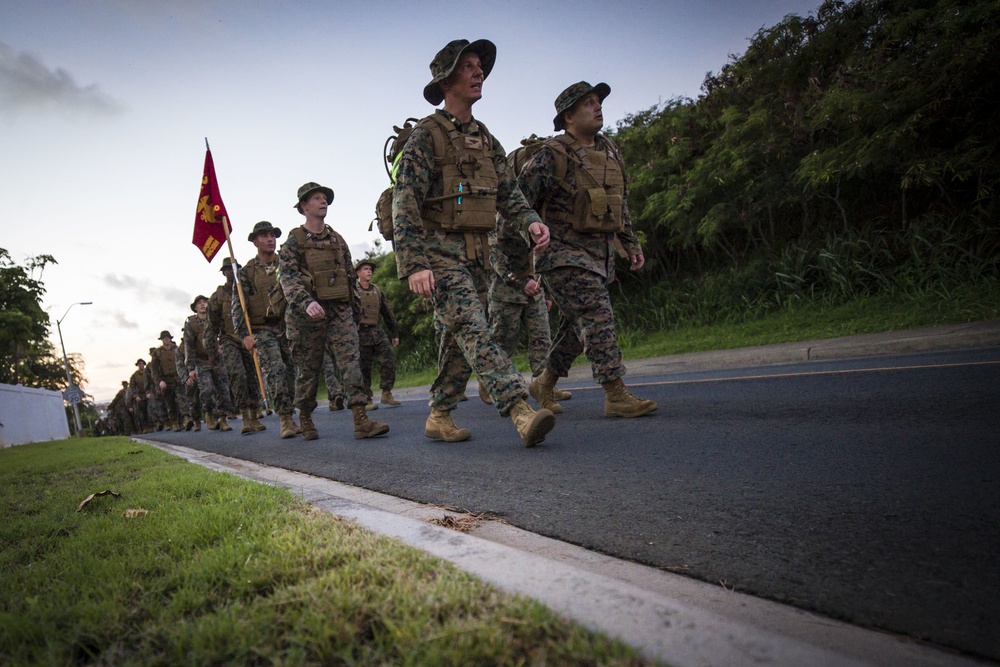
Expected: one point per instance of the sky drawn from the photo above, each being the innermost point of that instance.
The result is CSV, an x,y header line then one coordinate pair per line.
x,y
105,106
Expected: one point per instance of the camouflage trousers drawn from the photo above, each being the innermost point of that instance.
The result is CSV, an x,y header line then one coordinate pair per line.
x,y
586,324
242,380
174,405
140,414
275,356
154,408
310,338
464,342
213,388
193,400
509,321
332,376
376,348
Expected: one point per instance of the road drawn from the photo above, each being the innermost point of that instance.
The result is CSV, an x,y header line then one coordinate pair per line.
x,y
864,489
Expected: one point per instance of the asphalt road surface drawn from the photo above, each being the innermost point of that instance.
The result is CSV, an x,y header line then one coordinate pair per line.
x,y
864,489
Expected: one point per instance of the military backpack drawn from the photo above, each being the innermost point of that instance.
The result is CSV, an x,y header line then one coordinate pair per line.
x,y
391,151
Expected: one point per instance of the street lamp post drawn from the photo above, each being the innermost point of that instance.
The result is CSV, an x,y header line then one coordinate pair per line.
x,y
69,379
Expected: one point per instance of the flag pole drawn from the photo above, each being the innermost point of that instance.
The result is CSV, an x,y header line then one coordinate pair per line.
x,y
243,305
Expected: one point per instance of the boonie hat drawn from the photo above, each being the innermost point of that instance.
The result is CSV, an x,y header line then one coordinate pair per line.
x,y
140,361
308,189
227,263
444,64
261,227
196,300
571,95
362,262
164,334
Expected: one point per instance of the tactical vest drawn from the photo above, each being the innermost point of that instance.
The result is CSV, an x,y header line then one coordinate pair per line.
x,y
166,359
226,304
598,190
370,303
468,202
198,327
324,274
266,301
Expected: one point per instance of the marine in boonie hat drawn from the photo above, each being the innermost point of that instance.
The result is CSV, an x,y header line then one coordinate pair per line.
x,y
196,300
164,334
308,189
444,64
572,95
262,227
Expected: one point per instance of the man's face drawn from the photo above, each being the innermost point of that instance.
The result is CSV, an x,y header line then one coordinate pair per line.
x,y
365,273
228,273
586,116
141,365
265,242
466,81
167,341
201,306
315,204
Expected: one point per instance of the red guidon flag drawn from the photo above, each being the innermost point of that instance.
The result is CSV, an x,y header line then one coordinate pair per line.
x,y
208,220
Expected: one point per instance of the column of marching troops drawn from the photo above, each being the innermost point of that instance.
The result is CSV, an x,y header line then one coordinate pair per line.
x,y
489,247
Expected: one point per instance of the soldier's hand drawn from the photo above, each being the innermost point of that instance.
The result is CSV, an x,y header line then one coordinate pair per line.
x,y
395,342
192,376
539,235
315,311
163,384
422,283
532,288
637,262
249,343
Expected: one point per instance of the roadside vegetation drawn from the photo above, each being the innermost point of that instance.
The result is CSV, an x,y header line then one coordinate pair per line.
x,y
213,569
838,177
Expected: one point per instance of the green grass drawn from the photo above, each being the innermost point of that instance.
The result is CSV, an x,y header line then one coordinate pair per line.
x,y
227,571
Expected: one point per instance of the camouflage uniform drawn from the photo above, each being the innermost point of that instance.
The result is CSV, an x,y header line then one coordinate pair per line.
x,y
273,349
190,393
163,367
511,310
235,357
331,376
337,330
460,290
577,268
138,401
154,401
375,344
201,352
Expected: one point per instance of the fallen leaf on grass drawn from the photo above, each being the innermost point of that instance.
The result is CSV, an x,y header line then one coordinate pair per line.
x,y
134,514
86,501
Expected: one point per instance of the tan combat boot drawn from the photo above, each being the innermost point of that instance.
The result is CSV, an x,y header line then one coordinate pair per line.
x,y
561,394
188,423
197,424
364,427
245,417
531,426
389,399
337,403
620,402
371,405
223,424
288,428
484,395
441,426
255,420
309,431
541,389
211,422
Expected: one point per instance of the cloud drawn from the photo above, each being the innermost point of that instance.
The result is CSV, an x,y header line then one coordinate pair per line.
x,y
26,84
148,292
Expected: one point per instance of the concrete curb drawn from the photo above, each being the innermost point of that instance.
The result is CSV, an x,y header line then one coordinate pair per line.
x,y
667,617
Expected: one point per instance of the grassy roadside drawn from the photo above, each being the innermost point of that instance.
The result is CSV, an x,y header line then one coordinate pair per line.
x,y
226,571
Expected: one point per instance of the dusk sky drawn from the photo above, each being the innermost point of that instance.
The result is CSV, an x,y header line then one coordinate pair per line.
x,y
105,106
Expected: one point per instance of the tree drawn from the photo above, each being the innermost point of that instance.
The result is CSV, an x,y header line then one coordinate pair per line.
x,y
27,357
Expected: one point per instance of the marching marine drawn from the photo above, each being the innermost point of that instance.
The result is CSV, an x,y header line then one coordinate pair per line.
x,y
578,180
313,266
164,371
376,345
266,314
453,179
201,357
